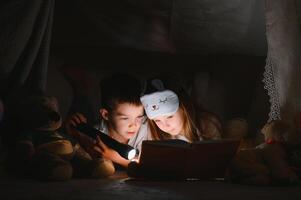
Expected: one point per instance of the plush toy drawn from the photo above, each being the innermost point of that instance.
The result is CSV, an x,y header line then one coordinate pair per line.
x,y
294,145
43,152
266,164
211,127
238,128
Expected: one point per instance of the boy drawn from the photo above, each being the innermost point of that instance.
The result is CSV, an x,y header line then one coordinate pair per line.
x,y
121,117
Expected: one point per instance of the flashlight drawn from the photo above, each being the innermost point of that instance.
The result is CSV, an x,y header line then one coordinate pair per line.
x,y
125,150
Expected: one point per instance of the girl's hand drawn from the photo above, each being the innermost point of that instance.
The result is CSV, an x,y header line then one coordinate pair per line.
x,y
109,153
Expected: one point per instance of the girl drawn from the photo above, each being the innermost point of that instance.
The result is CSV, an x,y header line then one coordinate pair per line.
x,y
173,116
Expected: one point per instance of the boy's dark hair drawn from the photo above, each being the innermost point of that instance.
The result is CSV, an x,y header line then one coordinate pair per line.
x,y
120,88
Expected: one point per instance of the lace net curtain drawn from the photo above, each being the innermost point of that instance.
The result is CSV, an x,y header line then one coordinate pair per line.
x,y
282,71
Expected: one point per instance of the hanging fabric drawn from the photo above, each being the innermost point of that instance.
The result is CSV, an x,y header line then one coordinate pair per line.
x,y
282,70
24,40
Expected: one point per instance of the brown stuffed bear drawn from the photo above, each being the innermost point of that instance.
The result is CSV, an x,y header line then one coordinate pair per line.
x,y
43,151
211,127
237,128
266,164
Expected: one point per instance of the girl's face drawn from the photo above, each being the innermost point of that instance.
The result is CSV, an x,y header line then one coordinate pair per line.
x,y
171,124
125,120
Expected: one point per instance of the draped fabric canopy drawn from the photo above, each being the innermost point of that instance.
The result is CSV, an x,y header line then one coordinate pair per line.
x,y
24,41
196,26
283,70
199,26
177,26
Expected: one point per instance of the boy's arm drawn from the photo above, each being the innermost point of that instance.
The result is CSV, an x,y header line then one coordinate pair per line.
x,y
110,154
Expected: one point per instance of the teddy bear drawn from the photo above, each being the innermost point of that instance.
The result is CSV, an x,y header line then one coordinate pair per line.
x,y
294,145
238,128
211,127
267,163
43,151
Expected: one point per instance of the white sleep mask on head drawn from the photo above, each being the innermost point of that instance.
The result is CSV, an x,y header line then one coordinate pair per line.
x,y
160,103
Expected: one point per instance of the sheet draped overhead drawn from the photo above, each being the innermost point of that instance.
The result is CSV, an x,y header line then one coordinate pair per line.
x,y
24,40
200,26
282,71
204,27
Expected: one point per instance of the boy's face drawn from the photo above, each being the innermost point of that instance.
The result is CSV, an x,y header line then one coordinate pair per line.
x,y
126,119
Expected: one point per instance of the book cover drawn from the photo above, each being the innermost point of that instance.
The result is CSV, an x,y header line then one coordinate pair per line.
x,y
177,159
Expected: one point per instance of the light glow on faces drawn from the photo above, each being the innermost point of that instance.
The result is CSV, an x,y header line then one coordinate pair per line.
x,y
171,124
126,120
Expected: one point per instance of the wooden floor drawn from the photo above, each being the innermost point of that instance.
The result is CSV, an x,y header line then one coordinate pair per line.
x,y
122,188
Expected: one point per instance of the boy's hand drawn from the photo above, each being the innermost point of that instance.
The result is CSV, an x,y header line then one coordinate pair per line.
x,y
73,121
109,153
85,141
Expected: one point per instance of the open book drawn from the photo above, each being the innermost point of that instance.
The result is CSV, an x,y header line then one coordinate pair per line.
x,y
177,159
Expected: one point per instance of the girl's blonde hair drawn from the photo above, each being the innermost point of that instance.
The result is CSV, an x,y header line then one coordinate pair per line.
x,y
190,129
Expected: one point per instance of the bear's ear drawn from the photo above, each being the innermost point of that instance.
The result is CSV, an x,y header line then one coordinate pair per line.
x,y
275,130
52,103
104,113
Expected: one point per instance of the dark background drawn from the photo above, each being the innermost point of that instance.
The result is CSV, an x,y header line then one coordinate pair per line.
x,y
217,48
